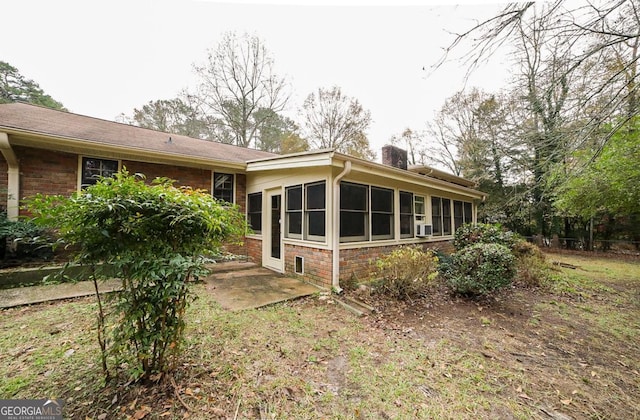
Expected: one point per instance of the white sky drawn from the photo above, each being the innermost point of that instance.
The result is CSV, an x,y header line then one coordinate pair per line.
x,y
104,57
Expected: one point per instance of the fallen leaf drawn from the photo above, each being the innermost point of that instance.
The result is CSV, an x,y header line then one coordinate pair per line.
x,y
142,413
593,374
102,416
189,392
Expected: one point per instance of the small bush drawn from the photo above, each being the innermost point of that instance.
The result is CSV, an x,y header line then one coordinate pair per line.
x,y
26,241
407,272
467,235
532,267
481,268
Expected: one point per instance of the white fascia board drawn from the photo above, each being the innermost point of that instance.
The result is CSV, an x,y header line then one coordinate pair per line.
x,y
291,162
396,174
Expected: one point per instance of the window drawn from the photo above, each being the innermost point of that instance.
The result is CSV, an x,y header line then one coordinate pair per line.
x,y
406,214
462,213
93,169
309,219
365,212
441,216
293,212
315,211
354,212
381,213
419,209
436,215
254,212
458,218
446,216
468,212
223,187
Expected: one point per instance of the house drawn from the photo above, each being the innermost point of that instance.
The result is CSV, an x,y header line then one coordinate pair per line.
x,y
322,215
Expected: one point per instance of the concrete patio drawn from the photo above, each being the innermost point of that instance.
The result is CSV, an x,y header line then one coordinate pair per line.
x,y
234,285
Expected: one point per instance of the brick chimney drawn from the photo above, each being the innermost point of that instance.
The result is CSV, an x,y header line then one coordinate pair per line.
x,y
394,156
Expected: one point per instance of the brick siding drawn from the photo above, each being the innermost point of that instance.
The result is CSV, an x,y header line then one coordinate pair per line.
x,y
359,263
254,250
46,172
317,264
191,177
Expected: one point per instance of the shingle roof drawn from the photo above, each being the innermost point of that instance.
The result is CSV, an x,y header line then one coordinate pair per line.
x,y
45,121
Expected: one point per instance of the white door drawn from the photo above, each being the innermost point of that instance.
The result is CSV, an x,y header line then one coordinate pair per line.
x,y
272,237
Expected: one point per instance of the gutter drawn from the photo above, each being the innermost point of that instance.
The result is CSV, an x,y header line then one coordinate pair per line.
x,y
335,276
13,177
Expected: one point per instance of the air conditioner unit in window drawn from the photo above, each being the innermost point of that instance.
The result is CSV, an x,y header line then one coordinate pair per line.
x,y
422,230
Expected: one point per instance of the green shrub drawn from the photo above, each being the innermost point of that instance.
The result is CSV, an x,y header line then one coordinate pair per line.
x,y
407,272
154,237
469,234
480,269
25,240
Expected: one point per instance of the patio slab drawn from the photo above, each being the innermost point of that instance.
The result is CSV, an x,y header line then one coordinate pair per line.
x,y
248,286
235,285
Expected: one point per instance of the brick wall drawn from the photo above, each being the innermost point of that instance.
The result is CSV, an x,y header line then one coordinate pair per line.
x,y
46,172
241,192
358,263
317,264
254,250
191,177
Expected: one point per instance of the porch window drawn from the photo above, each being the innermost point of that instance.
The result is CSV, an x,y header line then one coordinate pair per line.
x,y
309,218
381,213
462,213
446,216
354,212
468,212
293,212
315,211
436,215
406,214
223,187
441,216
93,169
254,212
419,208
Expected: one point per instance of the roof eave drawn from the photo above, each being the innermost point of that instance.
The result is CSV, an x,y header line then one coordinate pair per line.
x,y
28,138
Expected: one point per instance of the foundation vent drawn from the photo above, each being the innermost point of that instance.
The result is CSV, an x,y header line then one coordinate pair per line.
x,y
299,265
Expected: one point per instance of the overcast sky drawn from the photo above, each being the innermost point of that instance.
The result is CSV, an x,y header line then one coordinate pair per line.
x,y
104,57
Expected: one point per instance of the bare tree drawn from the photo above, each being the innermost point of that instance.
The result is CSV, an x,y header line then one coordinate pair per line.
x,y
237,82
336,121
581,33
413,142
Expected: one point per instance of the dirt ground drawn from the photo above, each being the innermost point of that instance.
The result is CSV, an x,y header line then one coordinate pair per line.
x,y
569,351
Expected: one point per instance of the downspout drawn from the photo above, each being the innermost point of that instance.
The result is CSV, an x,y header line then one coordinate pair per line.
x,y
335,279
13,177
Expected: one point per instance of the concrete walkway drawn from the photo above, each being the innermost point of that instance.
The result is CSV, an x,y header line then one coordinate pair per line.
x,y
234,285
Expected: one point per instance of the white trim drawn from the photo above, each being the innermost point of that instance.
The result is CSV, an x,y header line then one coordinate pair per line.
x,y
13,178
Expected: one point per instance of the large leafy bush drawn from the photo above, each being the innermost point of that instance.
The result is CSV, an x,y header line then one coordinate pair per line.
x,y
470,234
481,268
154,237
407,272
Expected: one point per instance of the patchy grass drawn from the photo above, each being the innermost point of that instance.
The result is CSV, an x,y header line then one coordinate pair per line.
x,y
569,349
